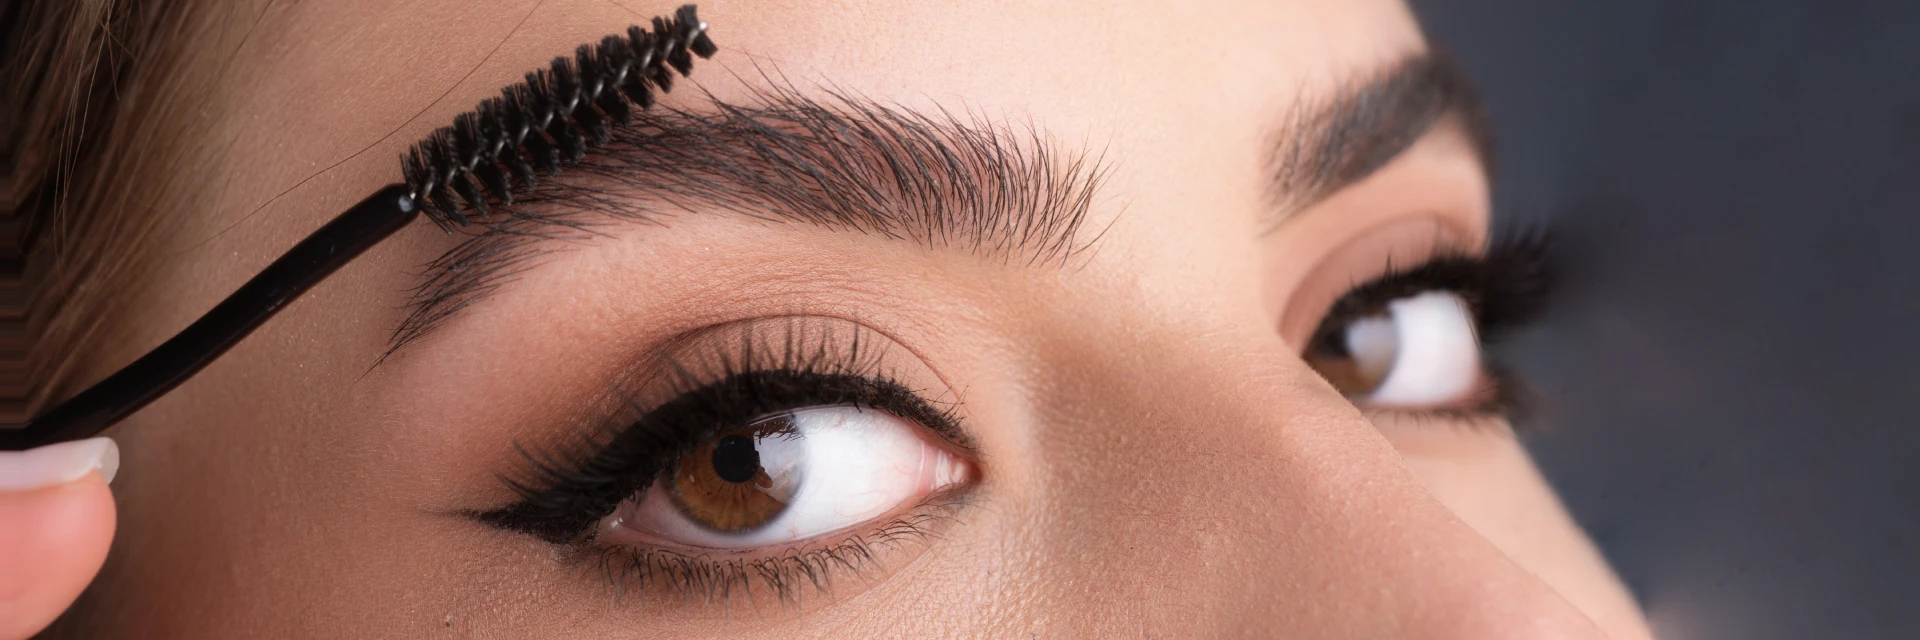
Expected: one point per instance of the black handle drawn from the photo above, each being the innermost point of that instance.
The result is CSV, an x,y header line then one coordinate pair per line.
x,y
159,371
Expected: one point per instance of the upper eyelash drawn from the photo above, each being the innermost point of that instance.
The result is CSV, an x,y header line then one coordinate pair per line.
x,y
1508,287
564,491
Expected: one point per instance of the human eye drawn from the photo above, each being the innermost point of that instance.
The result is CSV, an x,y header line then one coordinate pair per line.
x,y
788,478
760,456
1413,341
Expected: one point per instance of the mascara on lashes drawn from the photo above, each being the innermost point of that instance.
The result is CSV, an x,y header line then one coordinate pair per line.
x,y
765,372
732,376
546,122
1507,287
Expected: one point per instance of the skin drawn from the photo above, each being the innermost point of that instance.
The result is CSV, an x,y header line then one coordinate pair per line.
x,y
1156,459
54,541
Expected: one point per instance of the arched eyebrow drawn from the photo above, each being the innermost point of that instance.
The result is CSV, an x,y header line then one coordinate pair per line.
x,y
1326,145
935,178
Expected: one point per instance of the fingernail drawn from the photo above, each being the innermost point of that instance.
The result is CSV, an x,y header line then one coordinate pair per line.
x,y
57,464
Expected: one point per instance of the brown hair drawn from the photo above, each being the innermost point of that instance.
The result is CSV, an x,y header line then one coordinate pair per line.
x,y
96,107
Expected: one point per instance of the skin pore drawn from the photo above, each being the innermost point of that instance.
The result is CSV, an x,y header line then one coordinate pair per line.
x,y
1155,459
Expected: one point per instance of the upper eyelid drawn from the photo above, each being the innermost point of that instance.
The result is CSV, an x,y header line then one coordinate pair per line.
x,y
772,360
695,358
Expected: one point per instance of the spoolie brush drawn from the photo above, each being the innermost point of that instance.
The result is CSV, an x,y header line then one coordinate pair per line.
x,y
550,119
537,126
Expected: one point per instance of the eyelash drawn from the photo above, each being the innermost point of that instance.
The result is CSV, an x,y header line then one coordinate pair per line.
x,y
1508,287
565,493
710,580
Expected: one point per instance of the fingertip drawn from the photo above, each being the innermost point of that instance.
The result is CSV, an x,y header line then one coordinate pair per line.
x,y
53,540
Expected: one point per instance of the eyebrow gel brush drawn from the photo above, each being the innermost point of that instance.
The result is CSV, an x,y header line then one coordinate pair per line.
x,y
545,122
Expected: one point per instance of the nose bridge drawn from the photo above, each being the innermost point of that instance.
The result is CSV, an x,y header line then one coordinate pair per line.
x,y
1193,482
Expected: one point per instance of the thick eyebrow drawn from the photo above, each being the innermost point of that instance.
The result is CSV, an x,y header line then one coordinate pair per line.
x,y
1323,147
939,179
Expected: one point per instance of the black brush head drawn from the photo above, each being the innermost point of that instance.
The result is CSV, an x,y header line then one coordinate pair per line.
x,y
549,120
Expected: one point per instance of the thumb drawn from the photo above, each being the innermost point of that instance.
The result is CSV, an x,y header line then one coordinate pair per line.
x,y
56,520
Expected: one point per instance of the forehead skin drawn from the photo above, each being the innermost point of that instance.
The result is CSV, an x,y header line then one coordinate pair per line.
x,y
318,83
274,495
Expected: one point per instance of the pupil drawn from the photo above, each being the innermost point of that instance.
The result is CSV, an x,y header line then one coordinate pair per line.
x,y
735,459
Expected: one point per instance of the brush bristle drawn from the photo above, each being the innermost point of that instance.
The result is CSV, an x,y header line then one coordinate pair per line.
x,y
550,120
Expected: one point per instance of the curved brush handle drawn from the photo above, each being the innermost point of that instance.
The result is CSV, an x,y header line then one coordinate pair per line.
x,y
160,370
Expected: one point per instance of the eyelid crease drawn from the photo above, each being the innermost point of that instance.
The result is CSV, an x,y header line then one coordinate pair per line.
x,y
821,344
697,385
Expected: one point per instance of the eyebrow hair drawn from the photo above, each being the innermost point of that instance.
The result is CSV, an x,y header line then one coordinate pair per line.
x,y
1327,146
939,179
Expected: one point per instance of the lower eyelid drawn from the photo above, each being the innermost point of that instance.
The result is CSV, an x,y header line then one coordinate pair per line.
x,y
787,574
1445,312
613,532
812,473
865,368
628,561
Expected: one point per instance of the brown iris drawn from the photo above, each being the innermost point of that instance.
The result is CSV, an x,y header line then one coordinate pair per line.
x,y
1355,355
735,482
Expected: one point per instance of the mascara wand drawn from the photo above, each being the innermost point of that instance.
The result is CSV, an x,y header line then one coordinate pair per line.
x,y
544,123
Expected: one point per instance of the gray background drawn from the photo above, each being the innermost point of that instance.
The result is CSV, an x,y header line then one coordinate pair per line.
x,y
1728,384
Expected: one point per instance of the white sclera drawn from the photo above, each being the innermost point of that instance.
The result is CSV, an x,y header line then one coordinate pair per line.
x,y
1374,343
854,465
1435,351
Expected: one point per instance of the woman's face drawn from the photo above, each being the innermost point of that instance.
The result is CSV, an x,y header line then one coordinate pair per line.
x,y
1066,374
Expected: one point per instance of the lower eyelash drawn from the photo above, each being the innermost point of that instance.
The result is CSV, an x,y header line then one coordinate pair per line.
x,y
706,581
731,374
793,365
1506,400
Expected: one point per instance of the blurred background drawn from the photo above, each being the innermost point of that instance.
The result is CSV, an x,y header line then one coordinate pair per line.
x,y
1729,387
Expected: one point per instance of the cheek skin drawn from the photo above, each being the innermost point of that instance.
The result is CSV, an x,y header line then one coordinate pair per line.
x,y
1483,474
1228,484
1435,199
